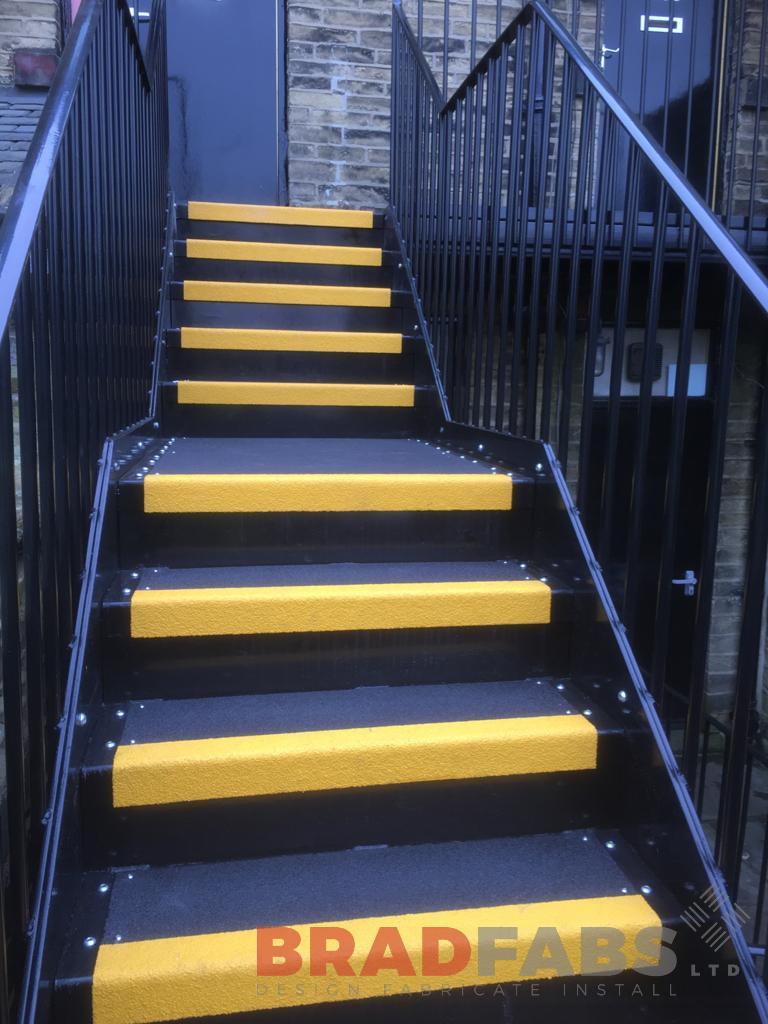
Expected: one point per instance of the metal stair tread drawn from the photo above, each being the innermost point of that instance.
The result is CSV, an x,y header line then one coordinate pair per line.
x,y
223,896
162,721
275,455
332,574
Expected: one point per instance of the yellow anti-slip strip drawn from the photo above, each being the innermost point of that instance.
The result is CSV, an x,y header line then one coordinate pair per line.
x,y
224,392
286,294
260,340
240,611
210,975
306,216
278,252
326,492
248,766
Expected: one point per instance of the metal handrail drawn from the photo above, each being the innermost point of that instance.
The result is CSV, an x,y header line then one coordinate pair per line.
x,y
533,214
743,265
80,268
26,203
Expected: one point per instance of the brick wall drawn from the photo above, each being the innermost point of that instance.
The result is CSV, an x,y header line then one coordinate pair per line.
x,y
746,112
26,24
338,67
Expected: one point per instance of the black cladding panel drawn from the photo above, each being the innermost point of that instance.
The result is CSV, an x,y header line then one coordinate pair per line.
x,y
226,98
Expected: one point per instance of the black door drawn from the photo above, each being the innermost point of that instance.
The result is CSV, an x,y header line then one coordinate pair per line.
x,y
689,538
661,56
226,100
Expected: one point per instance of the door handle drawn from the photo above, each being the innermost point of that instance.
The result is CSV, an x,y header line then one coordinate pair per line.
x,y
606,52
689,582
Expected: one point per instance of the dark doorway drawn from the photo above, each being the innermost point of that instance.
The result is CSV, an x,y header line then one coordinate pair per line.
x,y
689,539
661,56
226,100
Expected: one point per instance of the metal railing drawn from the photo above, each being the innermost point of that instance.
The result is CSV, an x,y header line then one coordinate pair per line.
x,y
80,257
731,115
575,288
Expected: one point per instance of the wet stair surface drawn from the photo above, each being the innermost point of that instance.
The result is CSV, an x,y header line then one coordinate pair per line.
x,y
338,676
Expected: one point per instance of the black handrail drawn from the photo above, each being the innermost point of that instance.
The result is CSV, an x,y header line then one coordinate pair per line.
x,y
743,265
80,268
26,202
562,265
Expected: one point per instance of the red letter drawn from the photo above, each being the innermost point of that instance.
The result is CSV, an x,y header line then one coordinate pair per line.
x,y
273,944
431,965
377,960
320,956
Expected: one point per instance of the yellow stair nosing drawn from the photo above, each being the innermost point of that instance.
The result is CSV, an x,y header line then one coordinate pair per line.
x,y
167,979
287,294
297,216
173,493
200,392
283,252
261,340
223,768
240,611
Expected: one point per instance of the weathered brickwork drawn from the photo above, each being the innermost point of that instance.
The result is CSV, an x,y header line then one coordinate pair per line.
x,y
743,170
338,102
26,24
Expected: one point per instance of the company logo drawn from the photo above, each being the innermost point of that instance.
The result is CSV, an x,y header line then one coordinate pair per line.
x,y
490,954
705,918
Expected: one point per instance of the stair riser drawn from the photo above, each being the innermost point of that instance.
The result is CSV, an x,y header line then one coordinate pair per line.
x,y
339,367
291,234
205,539
218,666
291,317
189,420
441,811
467,1006
188,269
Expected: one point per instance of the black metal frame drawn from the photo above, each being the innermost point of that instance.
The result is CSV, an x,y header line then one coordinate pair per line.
x,y
739,107
80,265
519,255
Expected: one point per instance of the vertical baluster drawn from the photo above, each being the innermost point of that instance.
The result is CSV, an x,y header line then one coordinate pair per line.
x,y
470,353
454,256
714,483
633,583
523,218
470,170
34,666
511,228
443,185
17,773
543,115
446,37
672,490
484,199
627,260
499,119
585,139
472,35
603,185
561,188
52,643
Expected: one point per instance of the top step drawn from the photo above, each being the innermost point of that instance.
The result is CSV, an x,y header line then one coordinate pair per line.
x,y
240,222
318,217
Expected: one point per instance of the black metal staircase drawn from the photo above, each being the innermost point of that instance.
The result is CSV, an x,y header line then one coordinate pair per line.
x,y
352,725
